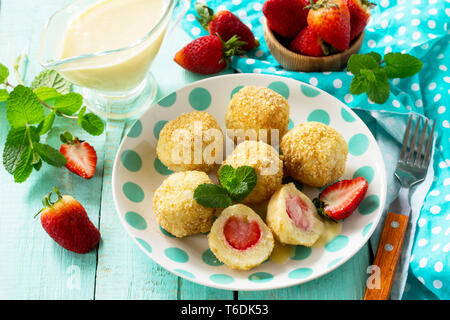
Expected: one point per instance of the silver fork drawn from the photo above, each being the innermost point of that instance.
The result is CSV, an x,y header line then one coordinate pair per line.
x,y
411,169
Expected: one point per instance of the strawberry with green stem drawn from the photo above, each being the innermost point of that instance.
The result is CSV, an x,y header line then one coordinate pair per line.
x,y
208,54
226,25
67,222
339,200
286,17
330,20
81,156
359,16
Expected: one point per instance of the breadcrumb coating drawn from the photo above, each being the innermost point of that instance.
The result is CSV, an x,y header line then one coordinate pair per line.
x,y
174,206
234,258
314,153
258,108
188,143
267,164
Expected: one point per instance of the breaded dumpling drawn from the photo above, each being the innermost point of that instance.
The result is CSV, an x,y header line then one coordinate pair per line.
x,y
267,164
258,108
314,154
240,238
193,141
293,218
174,206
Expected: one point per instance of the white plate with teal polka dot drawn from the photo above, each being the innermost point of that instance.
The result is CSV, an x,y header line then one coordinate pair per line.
x,y
138,172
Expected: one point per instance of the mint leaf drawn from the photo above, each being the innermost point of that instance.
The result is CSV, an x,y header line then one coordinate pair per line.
x,y
4,95
358,85
378,88
227,177
92,124
23,107
52,79
401,65
69,103
44,93
4,73
46,124
24,166
16,143
247,175
50,155
212,196
38,165
374,55
357,62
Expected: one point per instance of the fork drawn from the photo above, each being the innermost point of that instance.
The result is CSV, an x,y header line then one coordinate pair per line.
x,y
411,169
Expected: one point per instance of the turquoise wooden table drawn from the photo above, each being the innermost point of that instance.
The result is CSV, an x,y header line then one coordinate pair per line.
x,y
32,266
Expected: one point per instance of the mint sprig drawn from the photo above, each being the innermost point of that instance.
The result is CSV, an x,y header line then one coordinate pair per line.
x,y
372,73
236,185
31,112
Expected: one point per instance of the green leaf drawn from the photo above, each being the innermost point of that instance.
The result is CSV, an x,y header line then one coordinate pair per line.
x,y
24,166
358,85
81,115
44,93
212,196
247,175
92,124
357,62
227,177
374,55
401,65
46,124
69,103
23,107
4,73
378,90
4,95
52,79
50,155
38,165
16,143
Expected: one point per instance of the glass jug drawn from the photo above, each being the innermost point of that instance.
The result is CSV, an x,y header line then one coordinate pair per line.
x,y
115,84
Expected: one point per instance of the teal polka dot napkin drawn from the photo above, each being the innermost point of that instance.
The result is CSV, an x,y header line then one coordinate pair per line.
x,y
420,28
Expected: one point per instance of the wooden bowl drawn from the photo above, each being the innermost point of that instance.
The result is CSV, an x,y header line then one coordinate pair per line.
x,y
290,60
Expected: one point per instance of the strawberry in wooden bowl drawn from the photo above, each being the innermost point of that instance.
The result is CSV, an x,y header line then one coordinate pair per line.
x,y
325,35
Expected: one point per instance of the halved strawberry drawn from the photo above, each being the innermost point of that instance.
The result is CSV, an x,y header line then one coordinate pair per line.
x,y
81,156
339,200
241,233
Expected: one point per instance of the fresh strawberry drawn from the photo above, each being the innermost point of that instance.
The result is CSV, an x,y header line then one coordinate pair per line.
x,y
208,54
81,156
359,15
67,222
226,25
308,43
286,17
339,200
330,20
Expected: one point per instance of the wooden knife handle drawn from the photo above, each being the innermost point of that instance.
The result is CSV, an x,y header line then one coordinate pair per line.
x,y
388,254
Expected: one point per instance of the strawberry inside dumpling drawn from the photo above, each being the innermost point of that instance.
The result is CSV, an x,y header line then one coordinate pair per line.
x,y
240,238
241,233
299,212
293,218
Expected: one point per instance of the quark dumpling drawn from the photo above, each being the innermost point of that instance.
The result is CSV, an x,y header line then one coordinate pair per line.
x,y
257,108
314,153
240,238
174,206
193,141
267,164
293,218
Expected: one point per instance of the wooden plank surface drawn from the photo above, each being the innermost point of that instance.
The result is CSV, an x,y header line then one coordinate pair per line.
x,y
32,266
